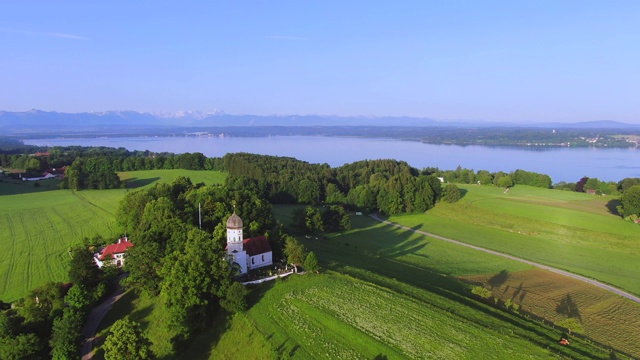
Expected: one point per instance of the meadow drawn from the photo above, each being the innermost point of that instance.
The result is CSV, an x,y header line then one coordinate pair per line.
x,y
572,231
383,292
39,225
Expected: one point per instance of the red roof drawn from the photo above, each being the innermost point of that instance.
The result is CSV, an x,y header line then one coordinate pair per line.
x,y
256,245
122,246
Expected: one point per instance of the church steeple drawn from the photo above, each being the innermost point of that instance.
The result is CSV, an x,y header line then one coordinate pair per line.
x,y
235,245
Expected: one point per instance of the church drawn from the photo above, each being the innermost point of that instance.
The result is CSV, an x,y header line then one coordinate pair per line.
x,y
249,253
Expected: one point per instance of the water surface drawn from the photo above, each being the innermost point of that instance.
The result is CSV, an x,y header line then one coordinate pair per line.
x,y
562,164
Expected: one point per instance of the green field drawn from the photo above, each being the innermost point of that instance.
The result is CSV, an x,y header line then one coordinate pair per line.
x,y
38,225
384,292
567,230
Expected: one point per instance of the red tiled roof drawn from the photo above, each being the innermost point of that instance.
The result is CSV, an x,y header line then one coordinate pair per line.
x,y
256,245
118,248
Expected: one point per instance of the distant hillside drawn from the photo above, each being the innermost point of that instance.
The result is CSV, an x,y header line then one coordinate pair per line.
x,y
130,122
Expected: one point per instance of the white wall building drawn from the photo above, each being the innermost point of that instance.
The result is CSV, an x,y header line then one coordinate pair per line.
x,y
249,253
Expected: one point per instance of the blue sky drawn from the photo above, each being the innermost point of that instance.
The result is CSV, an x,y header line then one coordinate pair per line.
x,y
516,61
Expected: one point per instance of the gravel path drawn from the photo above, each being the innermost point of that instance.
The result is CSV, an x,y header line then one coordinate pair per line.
x,y
94,319
541,266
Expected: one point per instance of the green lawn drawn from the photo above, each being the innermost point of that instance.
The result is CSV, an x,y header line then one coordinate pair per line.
x,y
571,231
38,225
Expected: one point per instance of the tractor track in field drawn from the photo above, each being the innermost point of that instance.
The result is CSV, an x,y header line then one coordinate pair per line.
x,y
599,284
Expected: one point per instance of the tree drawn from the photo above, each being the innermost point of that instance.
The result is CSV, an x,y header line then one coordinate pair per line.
x,y
21,347
308,192
143,265
294,250
311,262
505,182
592,184
451,193
66,335
313,220
235,299
630,201
78,297
83,269
126,342
580,184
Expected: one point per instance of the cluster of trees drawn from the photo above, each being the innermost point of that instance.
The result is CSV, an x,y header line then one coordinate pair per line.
x,y
48,322
500,178
311,219
182,263
86,173
388,186
104,159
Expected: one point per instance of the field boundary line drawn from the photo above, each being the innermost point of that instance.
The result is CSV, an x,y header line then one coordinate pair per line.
x,y
599,284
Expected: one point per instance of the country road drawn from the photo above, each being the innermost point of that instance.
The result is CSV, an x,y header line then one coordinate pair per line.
x,y
541,266
94,319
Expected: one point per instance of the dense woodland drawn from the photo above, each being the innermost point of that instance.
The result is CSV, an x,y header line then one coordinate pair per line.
x,y
388,186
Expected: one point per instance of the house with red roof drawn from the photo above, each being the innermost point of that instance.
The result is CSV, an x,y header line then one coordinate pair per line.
x,y
113,253
247,254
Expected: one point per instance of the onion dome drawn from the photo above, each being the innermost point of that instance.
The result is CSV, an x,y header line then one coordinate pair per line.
x,y
234,222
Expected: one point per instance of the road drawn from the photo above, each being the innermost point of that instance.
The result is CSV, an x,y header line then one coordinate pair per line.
x,y
94,319
538,265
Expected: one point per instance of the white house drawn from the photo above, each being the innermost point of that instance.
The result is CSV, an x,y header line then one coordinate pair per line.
x,y
114,253
249,253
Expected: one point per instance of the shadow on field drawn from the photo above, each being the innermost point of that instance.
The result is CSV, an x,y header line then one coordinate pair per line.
x,y
568,308
498,279
134,183
376,256
16,187
612,206
257,292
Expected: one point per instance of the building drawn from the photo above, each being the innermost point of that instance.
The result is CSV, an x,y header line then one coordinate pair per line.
x,y
249,253
114,253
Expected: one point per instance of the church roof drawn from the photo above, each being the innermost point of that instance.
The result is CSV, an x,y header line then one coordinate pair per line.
x,y
256,245
122,246
234,222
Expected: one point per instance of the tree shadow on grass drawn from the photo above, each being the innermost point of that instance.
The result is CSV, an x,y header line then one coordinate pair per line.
x,y
568,308
612,206
16,187
258,291
498,279
380,266
135,183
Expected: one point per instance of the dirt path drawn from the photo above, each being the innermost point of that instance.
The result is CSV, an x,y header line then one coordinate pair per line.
x,y
541,266
94,319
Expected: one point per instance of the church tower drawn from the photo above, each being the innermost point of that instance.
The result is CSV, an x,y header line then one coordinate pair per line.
x,y
235,247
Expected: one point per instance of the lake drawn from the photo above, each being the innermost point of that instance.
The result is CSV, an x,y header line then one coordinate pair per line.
x,y
562,164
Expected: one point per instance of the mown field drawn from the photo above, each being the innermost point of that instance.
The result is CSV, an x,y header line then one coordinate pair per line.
x,y
571,231
384,292
38,225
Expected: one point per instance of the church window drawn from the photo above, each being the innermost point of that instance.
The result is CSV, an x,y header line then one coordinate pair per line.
x,y
262,258
253,260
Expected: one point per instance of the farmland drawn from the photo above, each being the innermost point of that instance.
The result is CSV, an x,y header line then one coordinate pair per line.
x,y
38,225
571,231
388,292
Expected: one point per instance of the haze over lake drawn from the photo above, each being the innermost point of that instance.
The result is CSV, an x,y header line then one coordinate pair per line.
x,y
562,164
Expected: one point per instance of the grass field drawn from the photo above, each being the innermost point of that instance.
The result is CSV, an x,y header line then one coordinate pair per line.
x,y
384,292
38,225
570,231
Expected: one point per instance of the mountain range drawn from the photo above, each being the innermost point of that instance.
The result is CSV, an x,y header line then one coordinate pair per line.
x,y
37,122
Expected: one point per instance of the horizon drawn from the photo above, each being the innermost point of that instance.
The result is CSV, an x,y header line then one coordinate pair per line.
x,y
525,63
